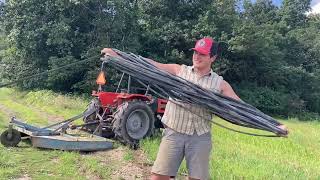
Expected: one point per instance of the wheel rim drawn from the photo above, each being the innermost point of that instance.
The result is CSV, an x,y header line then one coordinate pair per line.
x,y
138,124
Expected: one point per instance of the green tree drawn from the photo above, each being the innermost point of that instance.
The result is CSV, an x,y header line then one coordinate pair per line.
x,y
293,12
50,34
272,54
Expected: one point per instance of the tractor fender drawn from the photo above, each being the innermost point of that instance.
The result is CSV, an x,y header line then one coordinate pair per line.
x,y
129,97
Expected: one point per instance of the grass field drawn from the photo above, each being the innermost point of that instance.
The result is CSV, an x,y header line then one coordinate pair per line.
x,y
27,162
234,156
237,156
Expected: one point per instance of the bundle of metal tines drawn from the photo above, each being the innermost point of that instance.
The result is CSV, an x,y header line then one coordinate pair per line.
x,y
182,91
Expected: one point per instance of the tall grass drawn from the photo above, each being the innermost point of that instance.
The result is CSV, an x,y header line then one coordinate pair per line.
x,y
55,103
237,156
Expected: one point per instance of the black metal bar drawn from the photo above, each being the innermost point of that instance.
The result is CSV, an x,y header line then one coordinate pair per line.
x,y
120,82
67,121
129,84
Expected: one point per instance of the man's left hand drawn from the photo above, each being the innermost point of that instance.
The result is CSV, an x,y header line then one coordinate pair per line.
x,y
283,127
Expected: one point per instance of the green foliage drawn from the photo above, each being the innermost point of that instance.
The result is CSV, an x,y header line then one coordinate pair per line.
x,y
274,50
308,116
293,12
265,99
55,33
281,102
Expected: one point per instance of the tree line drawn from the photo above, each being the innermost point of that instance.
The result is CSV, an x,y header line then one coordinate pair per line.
x,y
271,58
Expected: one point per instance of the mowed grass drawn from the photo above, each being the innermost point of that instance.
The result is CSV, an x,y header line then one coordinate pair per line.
x,y
25,161
238,156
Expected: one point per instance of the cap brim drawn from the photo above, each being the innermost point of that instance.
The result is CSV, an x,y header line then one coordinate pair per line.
x,y
201,51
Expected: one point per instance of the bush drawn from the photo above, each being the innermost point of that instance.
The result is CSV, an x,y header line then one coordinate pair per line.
x,y
271,101
308,116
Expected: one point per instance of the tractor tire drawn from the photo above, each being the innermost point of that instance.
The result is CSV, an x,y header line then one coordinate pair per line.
x,y
10,141
133,121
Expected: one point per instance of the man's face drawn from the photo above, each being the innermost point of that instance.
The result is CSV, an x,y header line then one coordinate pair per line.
x,y
202,61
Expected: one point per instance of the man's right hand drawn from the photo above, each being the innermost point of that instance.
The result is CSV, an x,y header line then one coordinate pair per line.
x,y
108,52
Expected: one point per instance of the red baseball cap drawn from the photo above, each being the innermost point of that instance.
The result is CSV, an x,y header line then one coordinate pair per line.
x,y
203,46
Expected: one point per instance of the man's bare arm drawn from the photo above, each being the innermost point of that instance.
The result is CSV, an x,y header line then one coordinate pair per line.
x,y
227,90
171,68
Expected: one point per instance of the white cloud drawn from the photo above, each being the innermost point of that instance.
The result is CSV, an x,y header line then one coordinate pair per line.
x,y
314,2
315,7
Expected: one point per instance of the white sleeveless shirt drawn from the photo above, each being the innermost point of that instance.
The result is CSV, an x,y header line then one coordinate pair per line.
x,y
186,121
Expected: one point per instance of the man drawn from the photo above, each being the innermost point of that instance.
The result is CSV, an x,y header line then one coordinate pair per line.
x,y
188,135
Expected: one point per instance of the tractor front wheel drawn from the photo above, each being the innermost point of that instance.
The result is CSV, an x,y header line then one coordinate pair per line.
x,y
134,120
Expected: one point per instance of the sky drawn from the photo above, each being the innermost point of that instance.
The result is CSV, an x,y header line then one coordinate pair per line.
x,y
277,2
315,5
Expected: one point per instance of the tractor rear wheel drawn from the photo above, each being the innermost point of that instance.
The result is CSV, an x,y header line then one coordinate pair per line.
x,y
134,120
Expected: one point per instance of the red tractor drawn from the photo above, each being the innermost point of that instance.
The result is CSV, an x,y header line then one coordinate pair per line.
x,y
123,115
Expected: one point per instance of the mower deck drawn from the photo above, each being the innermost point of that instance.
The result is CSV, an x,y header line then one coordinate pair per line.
x,y
51,138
